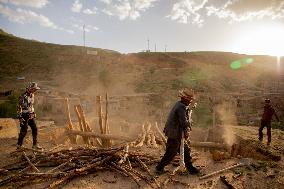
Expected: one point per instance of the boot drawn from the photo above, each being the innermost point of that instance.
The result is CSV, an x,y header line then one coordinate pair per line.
x,y
193,170
37,147
160,171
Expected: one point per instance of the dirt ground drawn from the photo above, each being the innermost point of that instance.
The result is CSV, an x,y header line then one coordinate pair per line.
x,y
257,174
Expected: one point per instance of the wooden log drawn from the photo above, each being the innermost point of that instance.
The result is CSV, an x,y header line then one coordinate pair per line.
x,y
143,137
2,171
67,111
76,172
55,148
29,161
139,175
144,166
27,168
59,166
81,125
153,140
106,116
86,126
128,162
125,155
83,118
76,109
44,174
126,172
70,126
99,111
221,170
148,138
106,125
102,136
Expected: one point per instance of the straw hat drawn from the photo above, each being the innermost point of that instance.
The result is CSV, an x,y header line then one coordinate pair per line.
x,y
186,93
33,85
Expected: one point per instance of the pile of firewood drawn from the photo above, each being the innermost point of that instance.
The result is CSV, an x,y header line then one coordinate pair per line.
x,y
84,129
150,136
54,169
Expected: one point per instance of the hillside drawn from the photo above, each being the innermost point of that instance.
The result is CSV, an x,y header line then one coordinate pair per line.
x,y
220,78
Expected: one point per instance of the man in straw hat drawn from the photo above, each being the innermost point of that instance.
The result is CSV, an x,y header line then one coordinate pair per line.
x,y
177,124
26,115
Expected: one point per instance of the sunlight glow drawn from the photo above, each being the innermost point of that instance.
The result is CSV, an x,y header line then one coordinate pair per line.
x,y
266,40
278,63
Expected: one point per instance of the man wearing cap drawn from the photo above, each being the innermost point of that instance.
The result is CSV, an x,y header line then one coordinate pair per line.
x,y
177,123
26,115
266,121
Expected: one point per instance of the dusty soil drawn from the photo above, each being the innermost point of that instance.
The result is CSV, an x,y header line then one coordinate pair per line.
x,y
257,174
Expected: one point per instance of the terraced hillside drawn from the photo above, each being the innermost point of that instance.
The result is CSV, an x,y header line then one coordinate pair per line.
x,y
223,80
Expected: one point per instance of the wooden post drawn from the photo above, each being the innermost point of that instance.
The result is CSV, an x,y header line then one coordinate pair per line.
x,y
73,139
106,114
67,110
79,118
99,110
81,124
83,117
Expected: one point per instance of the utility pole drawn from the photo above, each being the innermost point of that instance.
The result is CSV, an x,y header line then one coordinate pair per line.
x,y
155,48
165,48
148,45
84,38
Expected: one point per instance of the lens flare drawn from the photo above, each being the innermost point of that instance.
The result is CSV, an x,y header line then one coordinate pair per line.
x,y
237,64
248,60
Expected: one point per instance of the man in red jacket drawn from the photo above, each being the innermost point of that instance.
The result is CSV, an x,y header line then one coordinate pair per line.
x,y
266,121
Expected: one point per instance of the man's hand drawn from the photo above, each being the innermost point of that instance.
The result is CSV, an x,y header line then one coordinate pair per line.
x,y
21,120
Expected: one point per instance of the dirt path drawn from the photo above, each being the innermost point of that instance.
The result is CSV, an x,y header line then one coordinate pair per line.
x,y
259,174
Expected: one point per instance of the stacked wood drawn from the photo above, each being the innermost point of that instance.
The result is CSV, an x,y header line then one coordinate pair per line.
x,y
69,126
150,137
103,120
65,165
102,139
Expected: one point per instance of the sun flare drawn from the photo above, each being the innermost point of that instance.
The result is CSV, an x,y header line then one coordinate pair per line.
x,y
268,40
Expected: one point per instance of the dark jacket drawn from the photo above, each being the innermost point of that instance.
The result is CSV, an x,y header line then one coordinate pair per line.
x,y
25,104
177,121
268,113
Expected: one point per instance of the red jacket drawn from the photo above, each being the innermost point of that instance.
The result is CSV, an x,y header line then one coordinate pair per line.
x,y
268,113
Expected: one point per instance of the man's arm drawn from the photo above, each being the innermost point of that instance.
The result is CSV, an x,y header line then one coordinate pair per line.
x,y
184,124
20,107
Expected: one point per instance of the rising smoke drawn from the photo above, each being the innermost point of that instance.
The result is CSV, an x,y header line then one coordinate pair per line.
x,y
226,114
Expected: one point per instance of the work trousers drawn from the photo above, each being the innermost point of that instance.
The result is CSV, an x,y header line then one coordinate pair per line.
x,y
27,120
172,148
266,124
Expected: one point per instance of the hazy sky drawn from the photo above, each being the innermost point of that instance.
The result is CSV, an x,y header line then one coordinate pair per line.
x,y
246,26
